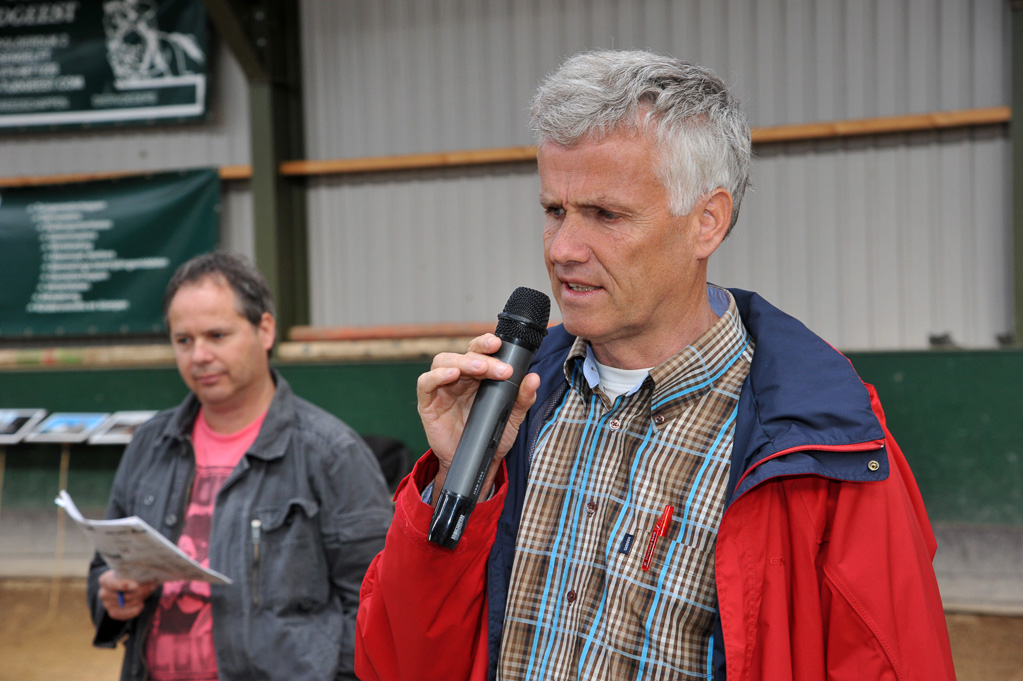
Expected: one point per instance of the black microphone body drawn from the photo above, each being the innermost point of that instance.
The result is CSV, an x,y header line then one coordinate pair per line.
x,y
521,327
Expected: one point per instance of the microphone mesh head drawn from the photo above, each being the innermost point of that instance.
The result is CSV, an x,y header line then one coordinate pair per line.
x,y
525,316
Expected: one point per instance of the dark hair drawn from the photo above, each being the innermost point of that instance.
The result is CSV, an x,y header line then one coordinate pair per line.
x,y
251,292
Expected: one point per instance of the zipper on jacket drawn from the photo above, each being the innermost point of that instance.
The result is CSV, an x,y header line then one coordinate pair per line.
x,y
257,529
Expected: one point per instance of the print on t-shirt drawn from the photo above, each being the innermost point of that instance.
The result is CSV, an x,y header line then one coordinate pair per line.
x,y
180,643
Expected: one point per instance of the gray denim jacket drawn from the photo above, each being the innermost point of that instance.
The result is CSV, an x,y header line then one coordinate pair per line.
x,y
295,526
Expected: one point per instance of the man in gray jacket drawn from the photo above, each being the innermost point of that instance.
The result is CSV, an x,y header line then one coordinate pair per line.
x,y
253,482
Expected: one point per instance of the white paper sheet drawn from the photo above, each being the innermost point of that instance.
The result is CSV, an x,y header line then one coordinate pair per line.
x,y
136,551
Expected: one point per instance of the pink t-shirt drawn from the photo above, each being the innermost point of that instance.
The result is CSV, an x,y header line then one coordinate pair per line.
x,y
180,642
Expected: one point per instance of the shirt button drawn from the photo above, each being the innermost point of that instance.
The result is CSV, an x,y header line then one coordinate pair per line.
x,y
615,424
659,419
148,501
591,508
171,520
570,596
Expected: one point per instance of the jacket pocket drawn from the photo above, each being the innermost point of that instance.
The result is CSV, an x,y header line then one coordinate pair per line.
x,y
288,567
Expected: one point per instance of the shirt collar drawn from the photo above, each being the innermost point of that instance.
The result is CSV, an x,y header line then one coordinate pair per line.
x,y
693,370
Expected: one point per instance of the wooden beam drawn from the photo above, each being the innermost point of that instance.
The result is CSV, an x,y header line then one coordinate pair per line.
x,y
236,172
371,350
441,159
939,120
391,331
149,356
104,356
233,172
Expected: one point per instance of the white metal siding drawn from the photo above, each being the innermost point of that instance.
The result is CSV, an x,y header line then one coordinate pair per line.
x,y
408,249
409,76
874,242
237,228
880,243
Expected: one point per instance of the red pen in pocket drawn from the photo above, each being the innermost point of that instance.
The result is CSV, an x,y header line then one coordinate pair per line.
x,y
660,530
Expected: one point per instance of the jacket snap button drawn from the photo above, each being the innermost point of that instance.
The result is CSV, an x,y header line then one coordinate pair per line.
x,y
570,596
873,465
615,424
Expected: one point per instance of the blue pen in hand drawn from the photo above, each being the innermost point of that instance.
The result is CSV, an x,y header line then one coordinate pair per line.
x,y
120,598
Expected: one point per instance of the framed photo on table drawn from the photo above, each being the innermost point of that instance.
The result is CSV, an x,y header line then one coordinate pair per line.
x,y
15,424
67,427
118,429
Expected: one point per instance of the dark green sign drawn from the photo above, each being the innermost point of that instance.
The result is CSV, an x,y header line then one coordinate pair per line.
x,y
75,62
93,258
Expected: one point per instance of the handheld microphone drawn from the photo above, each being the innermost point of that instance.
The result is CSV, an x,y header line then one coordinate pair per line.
x,y
521,327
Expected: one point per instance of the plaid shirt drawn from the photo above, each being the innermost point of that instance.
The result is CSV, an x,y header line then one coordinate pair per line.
x,y
580,605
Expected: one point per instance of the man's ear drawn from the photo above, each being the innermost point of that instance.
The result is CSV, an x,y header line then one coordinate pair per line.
x,y
267,330
715,218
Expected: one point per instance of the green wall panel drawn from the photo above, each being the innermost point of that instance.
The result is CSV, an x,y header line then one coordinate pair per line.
x,y
372,398
958,416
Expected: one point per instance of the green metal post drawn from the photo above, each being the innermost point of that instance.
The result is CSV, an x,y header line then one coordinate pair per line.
x,y
264,37
1016,132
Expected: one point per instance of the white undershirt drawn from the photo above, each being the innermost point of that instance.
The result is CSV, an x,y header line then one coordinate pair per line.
x,y
615,382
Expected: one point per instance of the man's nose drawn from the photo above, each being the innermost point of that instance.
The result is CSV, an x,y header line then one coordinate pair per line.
x,y
201,352
568,241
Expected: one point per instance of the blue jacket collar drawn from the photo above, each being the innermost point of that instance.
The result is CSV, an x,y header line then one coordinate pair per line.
x,y
804,400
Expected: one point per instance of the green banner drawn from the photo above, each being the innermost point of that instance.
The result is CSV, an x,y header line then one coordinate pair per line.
x,y
83,62
93,258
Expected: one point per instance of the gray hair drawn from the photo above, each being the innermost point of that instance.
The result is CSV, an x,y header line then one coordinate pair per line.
x,y
703,133
251,292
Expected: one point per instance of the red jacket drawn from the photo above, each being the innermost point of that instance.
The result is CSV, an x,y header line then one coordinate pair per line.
x,y
820,579
823,559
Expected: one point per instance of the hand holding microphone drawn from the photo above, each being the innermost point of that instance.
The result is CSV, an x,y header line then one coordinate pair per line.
x,y
446,392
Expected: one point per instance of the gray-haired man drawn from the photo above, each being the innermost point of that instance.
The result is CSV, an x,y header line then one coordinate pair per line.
x,y
694,484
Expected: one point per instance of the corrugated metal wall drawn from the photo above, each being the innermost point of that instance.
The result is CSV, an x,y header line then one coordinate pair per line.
x,y
874,242
881,243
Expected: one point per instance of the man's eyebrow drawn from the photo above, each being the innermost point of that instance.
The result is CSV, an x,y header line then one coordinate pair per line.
x,y
597,202
604,203
202,332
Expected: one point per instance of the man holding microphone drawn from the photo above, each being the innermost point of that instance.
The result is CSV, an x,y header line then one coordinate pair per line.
x,y
691,484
